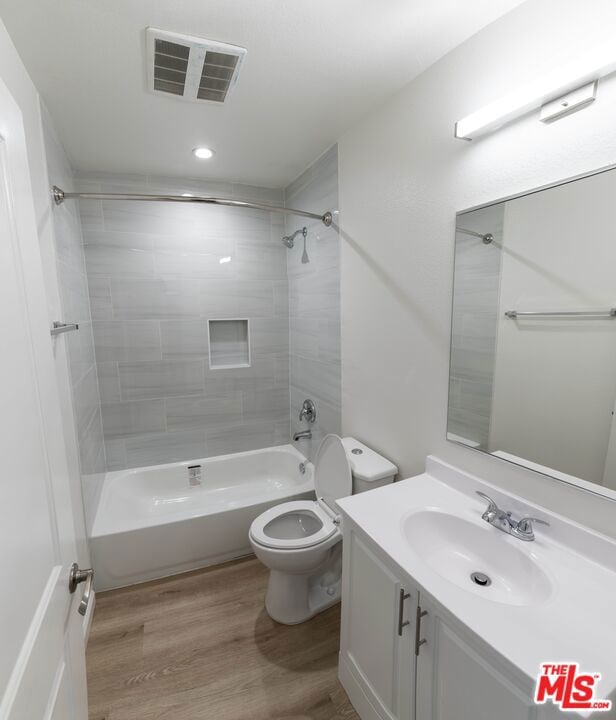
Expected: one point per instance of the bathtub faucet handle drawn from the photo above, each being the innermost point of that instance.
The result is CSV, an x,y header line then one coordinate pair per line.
x,y
308,411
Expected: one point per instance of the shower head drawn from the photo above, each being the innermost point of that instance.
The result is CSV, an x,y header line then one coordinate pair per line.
x,y
289,240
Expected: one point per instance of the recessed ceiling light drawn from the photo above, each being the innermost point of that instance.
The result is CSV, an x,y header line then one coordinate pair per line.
x,y
203,153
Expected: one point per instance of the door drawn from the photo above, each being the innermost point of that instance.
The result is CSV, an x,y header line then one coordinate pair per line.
x,y
42,664
378,620
458,679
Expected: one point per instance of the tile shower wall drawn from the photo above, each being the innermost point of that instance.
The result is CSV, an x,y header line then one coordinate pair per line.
x,y
157,272
314,301
73,287
474,326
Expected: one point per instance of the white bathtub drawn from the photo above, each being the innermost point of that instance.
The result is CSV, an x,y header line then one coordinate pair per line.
x,y
151,522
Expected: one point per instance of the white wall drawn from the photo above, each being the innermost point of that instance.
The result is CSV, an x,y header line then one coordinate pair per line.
x,y
63,459
554,384
402,178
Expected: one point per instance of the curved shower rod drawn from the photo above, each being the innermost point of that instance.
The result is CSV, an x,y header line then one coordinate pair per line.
x,y
60,196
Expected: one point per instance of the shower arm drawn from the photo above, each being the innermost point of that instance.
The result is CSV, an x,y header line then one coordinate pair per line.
x,y
60,196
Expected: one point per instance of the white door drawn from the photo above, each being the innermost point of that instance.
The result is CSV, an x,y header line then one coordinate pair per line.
x,y
377,660
42,664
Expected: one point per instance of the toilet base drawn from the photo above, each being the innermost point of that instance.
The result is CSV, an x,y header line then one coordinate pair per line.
x,y
293,599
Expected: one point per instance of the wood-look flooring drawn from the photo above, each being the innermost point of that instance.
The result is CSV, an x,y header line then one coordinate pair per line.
x,y
200,645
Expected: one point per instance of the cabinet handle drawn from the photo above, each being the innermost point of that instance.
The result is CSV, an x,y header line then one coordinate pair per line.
x,y
418,643
401,621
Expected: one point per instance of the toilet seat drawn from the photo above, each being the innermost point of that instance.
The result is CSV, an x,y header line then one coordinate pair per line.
x,y
259,534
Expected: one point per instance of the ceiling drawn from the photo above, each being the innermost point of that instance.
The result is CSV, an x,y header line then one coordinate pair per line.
x,y
313,68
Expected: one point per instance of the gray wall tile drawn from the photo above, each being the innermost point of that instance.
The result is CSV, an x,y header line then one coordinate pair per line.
x,y
123,261
160,448
204,412
160,379
184,339
129,341
163,298
264,404
109,381
314,302
157,274
124,419
261,374
100,298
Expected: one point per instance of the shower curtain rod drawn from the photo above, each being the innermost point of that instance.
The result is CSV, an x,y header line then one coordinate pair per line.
x,y
486,237
60,196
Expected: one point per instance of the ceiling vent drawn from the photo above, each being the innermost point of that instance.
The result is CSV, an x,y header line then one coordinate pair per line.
x,y
191,68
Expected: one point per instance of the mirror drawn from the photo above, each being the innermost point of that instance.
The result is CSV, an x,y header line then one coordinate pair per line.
x,y
533,342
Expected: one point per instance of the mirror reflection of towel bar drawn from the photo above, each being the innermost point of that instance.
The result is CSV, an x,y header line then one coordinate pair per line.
x,y
60,327
611,312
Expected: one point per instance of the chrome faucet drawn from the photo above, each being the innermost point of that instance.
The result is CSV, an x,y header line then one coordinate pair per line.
x,y
521,529
308,411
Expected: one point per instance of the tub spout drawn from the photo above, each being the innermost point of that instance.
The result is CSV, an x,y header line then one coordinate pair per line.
x,y
303,435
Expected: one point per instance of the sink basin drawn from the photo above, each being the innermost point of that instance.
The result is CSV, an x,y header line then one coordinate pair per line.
x,y
456,548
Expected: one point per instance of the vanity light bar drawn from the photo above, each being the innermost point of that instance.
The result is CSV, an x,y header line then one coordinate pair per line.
x,y
586,68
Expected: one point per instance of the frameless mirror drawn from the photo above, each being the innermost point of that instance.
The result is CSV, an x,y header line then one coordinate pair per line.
x,y
533,343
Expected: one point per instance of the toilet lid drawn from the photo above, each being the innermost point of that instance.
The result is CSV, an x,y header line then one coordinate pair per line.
x,y
332,471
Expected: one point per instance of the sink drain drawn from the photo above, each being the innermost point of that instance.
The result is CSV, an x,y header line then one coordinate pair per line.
x,y
481,579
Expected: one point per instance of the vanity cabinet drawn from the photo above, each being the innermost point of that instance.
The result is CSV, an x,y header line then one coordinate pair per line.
x,y
404,657
377,659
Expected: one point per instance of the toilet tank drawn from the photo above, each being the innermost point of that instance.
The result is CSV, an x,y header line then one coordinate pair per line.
x,y
370,470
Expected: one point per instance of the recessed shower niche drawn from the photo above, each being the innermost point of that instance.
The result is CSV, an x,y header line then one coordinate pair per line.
x,y
229,343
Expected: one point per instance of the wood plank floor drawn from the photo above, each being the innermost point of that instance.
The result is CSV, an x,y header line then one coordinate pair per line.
x,y
200,645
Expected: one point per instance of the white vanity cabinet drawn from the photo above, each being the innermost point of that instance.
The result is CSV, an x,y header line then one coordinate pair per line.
x,y
394,670
377,657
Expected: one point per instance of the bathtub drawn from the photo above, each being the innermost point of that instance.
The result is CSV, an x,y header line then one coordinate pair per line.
x,y
151,522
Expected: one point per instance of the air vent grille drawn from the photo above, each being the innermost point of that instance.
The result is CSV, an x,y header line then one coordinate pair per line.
x,y
216,77
192,68
170,66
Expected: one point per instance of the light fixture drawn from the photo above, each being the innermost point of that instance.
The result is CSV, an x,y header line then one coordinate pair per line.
x,y
224,260
203,153
584,70
187,195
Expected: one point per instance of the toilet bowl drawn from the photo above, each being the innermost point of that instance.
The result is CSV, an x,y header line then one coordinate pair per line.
x,y
301,541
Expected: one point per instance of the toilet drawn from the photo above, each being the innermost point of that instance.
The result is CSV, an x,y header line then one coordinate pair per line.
x,y
301,541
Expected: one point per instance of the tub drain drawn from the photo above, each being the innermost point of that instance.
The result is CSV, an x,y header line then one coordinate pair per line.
x,y
481,579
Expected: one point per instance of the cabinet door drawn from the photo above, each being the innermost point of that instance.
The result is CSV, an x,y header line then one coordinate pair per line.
x,y
378,617
457,679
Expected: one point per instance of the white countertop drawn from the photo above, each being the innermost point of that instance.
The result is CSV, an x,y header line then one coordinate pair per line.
x,y
576,623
